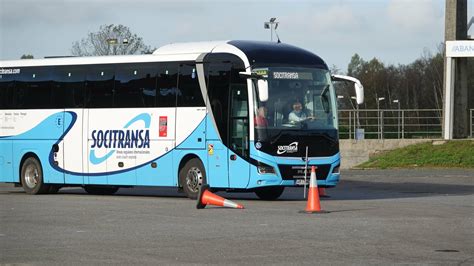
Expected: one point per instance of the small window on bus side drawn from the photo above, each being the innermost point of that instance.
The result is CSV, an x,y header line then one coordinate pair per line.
x,y
100,86
135,85
6,91
69,86
166,85
189,92
33,88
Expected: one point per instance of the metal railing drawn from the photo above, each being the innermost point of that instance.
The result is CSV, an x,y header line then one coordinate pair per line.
x,y
391,124
471,121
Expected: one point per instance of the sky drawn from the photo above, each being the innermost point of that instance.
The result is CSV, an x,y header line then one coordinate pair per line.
x,y
394,31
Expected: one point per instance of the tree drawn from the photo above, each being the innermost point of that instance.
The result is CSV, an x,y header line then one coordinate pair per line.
x,y
110,40
355,65
27,56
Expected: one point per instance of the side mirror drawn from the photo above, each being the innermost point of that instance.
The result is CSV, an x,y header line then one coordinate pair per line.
x,y
359,89
262,84
262,90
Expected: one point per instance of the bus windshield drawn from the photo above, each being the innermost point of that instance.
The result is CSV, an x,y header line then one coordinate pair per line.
x,y
299,99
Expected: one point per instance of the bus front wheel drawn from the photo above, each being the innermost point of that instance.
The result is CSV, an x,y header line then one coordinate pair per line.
x,y
269,193
191,177
32,177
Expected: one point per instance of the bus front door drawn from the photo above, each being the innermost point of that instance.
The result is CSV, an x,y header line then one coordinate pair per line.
x,y
239,168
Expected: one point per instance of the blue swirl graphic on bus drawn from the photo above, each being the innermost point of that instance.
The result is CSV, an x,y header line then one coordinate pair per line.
x,y
121,138
97,160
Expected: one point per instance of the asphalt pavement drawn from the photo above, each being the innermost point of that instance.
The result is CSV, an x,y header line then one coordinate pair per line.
x,y
376,217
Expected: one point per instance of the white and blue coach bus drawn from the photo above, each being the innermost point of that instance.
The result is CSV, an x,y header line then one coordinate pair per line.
x,y
183,116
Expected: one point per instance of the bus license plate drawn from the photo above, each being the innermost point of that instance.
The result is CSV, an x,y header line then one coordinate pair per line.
x,y
300,182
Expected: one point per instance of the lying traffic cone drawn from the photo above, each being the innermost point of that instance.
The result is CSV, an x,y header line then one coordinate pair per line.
x,y
206,197
322,193
313,205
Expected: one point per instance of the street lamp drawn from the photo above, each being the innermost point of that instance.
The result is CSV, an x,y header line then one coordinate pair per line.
x,y
272,25
114,43
379,99
339,97
379,116
399,116
357,118
357,108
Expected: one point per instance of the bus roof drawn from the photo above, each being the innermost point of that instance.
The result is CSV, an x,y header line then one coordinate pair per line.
x,y
257,52
188,48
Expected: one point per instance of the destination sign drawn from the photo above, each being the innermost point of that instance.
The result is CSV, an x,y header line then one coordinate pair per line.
x,y
293,75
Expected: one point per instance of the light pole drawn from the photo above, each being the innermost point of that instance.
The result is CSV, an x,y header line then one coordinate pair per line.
x,y
380,117
357,130
114,42
339,97
272,25
357,109
399,115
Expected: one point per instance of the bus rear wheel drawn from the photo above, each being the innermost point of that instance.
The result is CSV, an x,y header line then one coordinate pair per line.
x,y
32,177
101,190
192,176
269,193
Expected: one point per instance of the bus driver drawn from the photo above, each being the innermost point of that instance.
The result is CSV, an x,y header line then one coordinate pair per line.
x,y
298,115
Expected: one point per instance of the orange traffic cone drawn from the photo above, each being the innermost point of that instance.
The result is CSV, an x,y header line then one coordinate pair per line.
x,y
206,197
313,205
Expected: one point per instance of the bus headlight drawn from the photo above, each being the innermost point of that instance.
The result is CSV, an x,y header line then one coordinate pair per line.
x,y
336,169
265,169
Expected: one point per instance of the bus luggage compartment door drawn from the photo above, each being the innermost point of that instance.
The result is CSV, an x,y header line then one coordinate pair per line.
x,y
73,147
6,161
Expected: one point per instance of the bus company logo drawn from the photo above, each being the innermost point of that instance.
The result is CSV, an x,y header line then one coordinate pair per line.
x,y
292,148
120,138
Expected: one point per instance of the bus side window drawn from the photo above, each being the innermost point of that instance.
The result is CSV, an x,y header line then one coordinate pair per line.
x,y
33,88
166,85
68,86
100,86
135,86
6,92
188,86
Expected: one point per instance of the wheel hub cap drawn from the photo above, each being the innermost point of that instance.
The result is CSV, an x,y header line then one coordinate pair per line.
x,y
31,176
194,179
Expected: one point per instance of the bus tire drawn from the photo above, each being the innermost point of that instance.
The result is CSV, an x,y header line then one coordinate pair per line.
x,y
191,177
101,190
32,177
269,193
